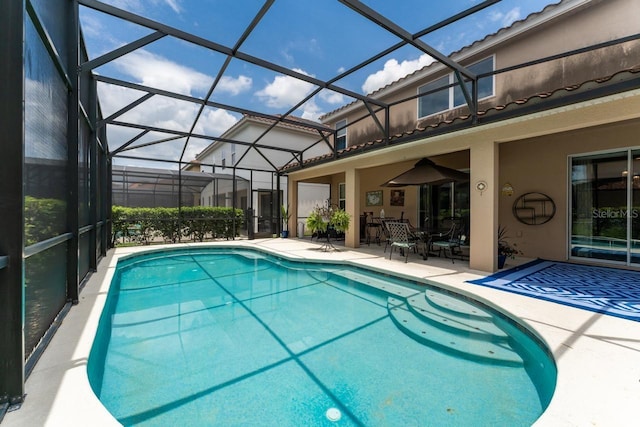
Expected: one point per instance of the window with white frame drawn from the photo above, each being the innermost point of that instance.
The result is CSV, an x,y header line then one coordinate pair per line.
x,y
342,196
444,98
233,154
437,100
341,135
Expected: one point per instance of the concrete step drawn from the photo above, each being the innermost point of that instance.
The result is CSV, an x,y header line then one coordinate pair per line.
x,y
376,281
468,347
457,306
456,322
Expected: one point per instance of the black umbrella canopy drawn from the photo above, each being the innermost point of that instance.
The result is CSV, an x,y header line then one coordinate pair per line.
x,y
427,172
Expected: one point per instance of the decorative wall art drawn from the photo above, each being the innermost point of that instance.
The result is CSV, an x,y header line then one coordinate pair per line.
x,y
397,198
374,198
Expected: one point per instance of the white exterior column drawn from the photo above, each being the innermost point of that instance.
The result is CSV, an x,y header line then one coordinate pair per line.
x,y
292,200
352,206
484,162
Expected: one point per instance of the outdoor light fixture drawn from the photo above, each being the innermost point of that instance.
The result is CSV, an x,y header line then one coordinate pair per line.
x,y
507,189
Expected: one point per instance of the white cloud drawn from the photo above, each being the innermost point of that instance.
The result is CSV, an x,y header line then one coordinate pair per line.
x,y
168,113
92,27
511,16
331,97
392,71
285,91
311,110
235,86
113,98
161,112
507,18
132,5
144,5
157,71
215,122
173,4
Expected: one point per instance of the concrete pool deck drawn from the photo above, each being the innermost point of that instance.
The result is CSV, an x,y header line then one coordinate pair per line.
x,y
598,356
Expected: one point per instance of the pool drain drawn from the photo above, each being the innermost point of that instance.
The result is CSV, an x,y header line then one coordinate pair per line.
x,y
333,414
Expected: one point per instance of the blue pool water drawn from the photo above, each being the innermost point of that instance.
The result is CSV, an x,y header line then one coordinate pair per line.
x,y
237,337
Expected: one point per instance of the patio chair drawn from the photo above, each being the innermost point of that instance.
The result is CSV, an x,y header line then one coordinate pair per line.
x,y
373,229
401,237
385,233
457,239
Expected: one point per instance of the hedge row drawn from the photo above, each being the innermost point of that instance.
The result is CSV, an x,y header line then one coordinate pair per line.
x,y
43,219
171,224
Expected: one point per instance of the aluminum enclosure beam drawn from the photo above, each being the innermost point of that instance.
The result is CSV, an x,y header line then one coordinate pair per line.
x,y
166,29
12,278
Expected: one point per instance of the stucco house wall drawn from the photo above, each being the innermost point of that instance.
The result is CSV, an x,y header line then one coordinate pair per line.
x,y
586,23
542,165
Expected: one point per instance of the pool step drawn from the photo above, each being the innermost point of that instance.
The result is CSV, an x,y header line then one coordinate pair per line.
x,y
466,346
376,282
456,306
455,321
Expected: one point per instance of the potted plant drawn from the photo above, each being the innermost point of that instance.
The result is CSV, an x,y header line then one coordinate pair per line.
x,y
284,211
322,217
505,249
340,220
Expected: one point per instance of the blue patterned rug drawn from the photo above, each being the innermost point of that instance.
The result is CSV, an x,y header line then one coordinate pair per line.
x,y
611,291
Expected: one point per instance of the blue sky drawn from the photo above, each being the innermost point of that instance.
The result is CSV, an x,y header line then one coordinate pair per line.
x,y
320,38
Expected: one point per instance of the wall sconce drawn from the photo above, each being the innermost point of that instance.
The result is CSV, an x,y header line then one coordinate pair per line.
x,y
507,189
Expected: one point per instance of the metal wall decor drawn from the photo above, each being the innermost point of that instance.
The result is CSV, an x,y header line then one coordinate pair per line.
x,y
534,208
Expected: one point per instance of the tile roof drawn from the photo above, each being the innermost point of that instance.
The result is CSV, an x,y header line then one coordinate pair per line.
x,y
621,75
453,54
301,124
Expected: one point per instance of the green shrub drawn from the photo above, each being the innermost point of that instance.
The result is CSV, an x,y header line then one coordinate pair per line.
x,y
197,222
43,218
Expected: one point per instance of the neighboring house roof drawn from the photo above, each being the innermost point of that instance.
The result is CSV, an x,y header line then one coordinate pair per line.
x,y
513,106
531,21
301,125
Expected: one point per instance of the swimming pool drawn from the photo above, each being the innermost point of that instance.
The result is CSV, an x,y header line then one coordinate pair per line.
x,y
239,337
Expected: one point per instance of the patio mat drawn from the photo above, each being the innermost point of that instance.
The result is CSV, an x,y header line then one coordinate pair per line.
x,y
611,291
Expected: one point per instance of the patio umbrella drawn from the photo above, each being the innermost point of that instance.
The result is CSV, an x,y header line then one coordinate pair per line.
x,y
427,172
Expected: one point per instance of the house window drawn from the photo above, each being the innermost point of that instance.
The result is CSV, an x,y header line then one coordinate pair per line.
x,y
224,162
342,202
233,154
485,84
436,101
341,135
451,97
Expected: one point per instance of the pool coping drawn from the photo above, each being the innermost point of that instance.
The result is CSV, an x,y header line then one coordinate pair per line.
x,y
596,355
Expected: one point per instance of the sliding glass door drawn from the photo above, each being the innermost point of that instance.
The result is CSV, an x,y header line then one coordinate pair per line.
x,y
605,205
440,203
634,226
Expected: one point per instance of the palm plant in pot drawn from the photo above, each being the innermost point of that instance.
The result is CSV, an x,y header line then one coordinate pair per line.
x,y
285,215
505,249
322,217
